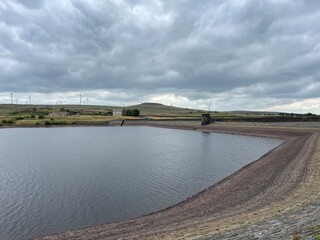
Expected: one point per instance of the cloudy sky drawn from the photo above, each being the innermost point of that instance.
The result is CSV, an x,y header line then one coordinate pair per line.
x,y
229,54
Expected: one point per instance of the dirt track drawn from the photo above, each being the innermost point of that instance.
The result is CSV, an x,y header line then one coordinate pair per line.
x,y
280,181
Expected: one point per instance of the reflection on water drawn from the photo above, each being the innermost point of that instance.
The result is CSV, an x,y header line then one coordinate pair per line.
x,y
57,179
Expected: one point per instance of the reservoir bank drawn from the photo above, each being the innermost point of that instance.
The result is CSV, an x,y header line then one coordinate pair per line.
x,y
60,179
284,180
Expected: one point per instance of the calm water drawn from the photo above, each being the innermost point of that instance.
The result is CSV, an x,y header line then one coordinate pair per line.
x,y
57,179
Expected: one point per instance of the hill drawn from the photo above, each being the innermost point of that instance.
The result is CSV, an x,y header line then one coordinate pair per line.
x,y
31,115
158,109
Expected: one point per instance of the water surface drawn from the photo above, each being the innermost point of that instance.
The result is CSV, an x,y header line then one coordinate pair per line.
x,y
58,179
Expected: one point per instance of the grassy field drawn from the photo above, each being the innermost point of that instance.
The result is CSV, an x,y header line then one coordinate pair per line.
x,y
47,115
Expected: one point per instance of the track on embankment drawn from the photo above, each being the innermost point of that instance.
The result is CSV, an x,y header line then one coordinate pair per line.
x,y
259,190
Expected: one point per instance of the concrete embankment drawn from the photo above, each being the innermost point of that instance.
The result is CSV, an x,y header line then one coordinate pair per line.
x,y
279,183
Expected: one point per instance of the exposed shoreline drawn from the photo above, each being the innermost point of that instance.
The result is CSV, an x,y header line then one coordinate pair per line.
x,y
262,189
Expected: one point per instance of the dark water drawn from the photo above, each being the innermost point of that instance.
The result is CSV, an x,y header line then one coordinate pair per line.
x,y
57,179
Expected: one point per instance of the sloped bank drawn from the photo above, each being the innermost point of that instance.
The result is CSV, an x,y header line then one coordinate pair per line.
x,y
239,199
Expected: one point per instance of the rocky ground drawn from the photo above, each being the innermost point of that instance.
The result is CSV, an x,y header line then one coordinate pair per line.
x,y
304,222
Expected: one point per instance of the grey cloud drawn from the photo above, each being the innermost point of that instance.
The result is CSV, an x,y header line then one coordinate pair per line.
x,y
185,46
31,4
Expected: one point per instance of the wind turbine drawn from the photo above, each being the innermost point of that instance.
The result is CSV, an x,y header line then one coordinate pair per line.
x,y
209,106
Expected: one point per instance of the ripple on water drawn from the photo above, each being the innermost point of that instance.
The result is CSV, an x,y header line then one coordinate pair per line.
x,y
59,179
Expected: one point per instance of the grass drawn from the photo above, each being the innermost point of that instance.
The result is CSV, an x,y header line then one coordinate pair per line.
x,y
314,231
37,115
30,115
81,120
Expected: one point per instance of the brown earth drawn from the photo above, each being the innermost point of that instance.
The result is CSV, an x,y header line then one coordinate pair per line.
x,y
282,180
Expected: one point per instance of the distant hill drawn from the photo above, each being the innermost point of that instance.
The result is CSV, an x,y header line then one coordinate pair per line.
x,y
164,110
155,109
40,115
253,112
146,109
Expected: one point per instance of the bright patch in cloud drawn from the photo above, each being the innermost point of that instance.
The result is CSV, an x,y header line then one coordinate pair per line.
x,y
299,106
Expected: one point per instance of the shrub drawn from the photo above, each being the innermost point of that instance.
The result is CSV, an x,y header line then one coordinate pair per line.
x,y
37,123
47,123
135,112
4,121
41,117
19,118
10,122
33,116
131,112
317,237
127,112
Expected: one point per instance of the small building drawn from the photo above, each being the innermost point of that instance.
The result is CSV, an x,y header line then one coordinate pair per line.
x,y
58,114
117,112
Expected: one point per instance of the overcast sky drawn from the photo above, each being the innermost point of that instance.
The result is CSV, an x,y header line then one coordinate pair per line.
x,y
231,55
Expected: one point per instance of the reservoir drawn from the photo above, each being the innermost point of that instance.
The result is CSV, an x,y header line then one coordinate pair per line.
x,y
58,179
